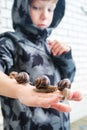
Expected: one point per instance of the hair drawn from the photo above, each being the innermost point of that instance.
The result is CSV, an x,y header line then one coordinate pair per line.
x,y
44,0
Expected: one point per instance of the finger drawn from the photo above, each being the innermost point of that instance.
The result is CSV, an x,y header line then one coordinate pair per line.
x,y
61,107
45,103
59,51
50,44
76,96
53,43
55,47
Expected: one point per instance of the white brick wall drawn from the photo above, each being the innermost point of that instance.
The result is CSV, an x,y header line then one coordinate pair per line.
x,y
5,15
72,30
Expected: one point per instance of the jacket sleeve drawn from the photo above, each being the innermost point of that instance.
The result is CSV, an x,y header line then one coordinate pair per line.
x,y
6,54
66,65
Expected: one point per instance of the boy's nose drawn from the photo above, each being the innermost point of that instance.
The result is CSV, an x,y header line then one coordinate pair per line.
x,y
44,14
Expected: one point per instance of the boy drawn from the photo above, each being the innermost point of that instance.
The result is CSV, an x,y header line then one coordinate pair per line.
x,y
27,49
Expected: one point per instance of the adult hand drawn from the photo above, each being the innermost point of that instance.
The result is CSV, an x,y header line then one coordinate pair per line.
x,y
58,48
73,96
29,97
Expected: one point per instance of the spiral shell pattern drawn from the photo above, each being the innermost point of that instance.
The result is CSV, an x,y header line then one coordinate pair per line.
x,y
42,82
43,85
22,78
65,83
13,74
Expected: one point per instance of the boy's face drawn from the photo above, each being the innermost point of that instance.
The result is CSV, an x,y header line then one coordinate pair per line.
x,y
41,12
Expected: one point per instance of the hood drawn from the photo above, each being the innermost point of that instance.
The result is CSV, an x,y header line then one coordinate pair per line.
x,y
21,18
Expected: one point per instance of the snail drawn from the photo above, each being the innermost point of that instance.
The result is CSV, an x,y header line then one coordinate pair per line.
x,y
21,77
64,86
42,83
13,74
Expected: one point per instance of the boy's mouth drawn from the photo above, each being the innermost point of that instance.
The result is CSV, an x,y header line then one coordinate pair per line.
x,y
42,25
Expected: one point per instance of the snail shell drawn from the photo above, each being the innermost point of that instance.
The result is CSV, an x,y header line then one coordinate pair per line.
x,y
43,85
64,86
42,82
13,74
21,77
65,83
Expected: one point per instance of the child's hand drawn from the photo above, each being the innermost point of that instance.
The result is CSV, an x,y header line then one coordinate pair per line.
x,y
58,48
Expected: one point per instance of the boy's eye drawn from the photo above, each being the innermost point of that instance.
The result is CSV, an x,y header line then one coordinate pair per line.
x,y
50,10
36,7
